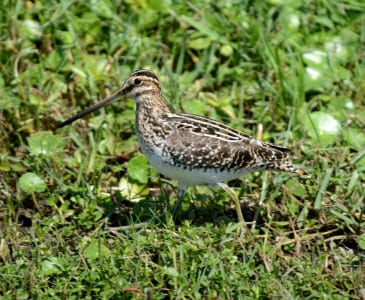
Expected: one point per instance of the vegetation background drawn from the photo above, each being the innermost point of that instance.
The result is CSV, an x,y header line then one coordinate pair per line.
x,y
296,67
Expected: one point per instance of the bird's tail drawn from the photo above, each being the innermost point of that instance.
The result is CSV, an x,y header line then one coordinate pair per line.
x,y
302,173
287,166
280,160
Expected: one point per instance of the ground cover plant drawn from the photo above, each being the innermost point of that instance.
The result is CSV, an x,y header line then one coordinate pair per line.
x,y
294,68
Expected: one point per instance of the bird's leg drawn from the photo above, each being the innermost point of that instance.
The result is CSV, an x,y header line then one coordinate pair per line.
x,y
234,196
180,195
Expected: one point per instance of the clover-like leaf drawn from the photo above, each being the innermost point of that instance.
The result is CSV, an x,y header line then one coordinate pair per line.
x,y
45,143
31,183
96,249
138,169
323,127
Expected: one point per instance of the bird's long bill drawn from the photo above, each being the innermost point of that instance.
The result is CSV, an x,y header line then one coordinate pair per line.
x,y
101,104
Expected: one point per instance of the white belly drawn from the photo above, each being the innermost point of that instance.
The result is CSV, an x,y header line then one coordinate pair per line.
x,y
195,176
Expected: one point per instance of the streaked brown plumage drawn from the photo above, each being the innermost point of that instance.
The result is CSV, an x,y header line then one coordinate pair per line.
x,y
192,149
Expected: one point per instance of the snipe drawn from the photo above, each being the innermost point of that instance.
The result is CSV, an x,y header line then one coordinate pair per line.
x,y
191,149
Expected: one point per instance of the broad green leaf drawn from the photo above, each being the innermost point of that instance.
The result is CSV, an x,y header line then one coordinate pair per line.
x,y
31,29
95,65
355,138
172,271
316,58
339,49
199,43
5,166
322,127
45,143
138,169
296,188
315,77
31,183
96,249
322,69
132,191
79,71
65,37
226,50
53,266
340,107
55,60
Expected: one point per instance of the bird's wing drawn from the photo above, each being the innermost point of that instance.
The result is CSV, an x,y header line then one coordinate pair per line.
x,y
201,142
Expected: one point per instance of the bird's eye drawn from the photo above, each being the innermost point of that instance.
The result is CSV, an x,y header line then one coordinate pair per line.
x,y
137,81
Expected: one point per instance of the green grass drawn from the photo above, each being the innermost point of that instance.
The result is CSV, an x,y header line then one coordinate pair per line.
x,y
296,67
